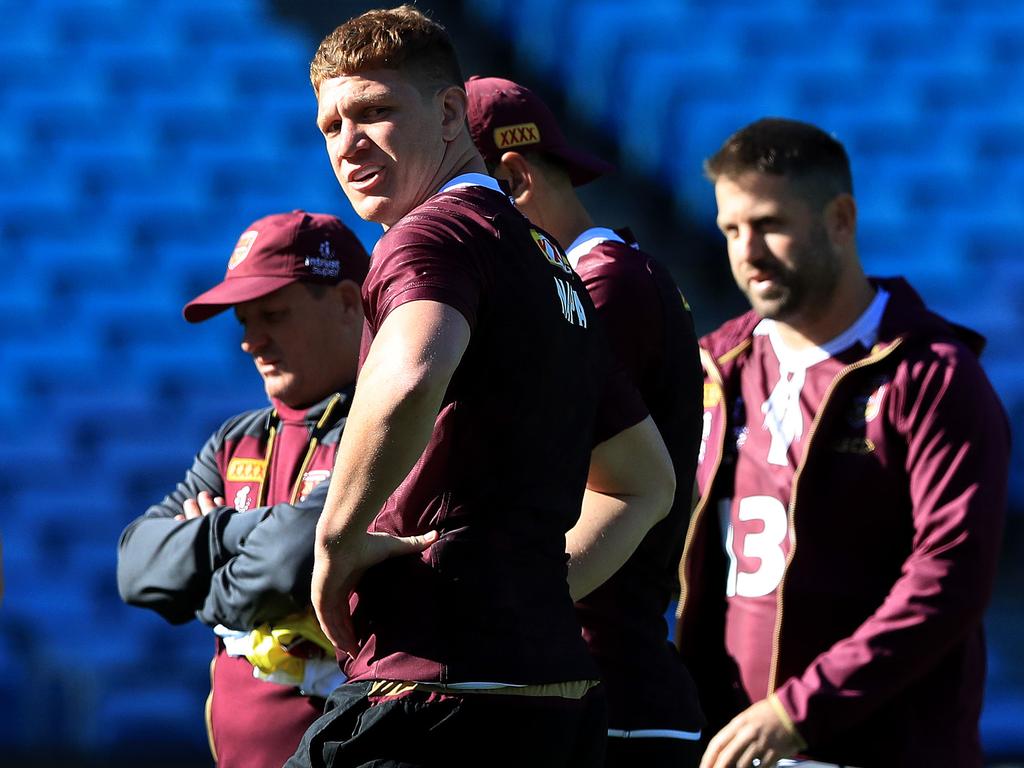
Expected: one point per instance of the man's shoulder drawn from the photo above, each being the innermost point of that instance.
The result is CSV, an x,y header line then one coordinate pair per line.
x,y
732,337
247,423
455,214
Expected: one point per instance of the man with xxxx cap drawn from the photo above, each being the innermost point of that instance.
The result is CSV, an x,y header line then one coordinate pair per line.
x,y
493,466
654,716
232,545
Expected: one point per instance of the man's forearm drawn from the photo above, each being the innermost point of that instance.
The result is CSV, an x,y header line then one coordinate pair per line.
x,y
606,535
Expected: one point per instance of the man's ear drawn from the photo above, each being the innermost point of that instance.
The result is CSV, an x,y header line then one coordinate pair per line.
x,y
454,105
841,220
519,175
350,297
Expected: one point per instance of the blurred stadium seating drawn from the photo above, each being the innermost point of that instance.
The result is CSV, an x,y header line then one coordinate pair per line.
x,y
139,139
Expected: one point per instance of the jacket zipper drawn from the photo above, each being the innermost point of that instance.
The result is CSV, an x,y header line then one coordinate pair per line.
x,y
871,359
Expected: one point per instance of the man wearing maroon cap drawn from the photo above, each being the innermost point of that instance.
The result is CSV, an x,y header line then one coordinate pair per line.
x,y
485,395
654,718
233,544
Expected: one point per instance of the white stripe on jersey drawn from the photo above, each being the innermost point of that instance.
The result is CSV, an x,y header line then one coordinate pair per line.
x,y
654,733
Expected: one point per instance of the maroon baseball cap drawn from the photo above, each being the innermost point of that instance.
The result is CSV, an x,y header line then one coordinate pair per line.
x,y
281,249
504,116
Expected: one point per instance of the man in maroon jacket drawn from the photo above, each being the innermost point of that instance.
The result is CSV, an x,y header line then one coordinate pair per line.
x,y
487,415
232,545
853,483
654,718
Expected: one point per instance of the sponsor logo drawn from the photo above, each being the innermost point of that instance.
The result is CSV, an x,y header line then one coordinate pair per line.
x,y
243,499
712,394
326,264
311,480
516,135
551,252
246,470
242,248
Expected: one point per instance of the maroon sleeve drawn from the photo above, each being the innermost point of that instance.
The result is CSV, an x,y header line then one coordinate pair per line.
x,y
426,259
620,406
628,303
957,457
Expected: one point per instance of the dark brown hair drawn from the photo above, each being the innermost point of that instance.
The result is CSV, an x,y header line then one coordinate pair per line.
x,y
799,151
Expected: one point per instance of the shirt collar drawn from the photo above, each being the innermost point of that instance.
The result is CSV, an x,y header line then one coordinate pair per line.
x,y
587,241
472,180
864,330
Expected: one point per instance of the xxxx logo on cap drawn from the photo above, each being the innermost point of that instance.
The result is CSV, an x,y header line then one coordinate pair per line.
x,y
242,248
516,135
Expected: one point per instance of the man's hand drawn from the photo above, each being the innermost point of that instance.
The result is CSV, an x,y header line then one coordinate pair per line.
x,y
757,736
199,506
338,565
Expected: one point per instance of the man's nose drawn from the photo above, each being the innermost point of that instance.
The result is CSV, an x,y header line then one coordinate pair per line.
x,y
253,341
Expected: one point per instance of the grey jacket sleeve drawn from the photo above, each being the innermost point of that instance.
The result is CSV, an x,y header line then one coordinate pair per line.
x,y
269,577
166,564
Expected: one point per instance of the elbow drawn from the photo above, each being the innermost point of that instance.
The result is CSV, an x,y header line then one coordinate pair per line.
x,y
663,492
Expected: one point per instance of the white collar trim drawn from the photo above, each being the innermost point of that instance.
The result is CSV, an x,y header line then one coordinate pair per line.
x,y
587,241
472,180
864,331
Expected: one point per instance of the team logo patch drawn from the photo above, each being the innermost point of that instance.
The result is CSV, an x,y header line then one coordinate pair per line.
x,y
243,499
866,407
551,251
326,264
712,394
242,248
246,470
516,135
874,404
311,480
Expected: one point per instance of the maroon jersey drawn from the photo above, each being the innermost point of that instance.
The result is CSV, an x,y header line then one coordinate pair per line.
x,y
781,399
503,475
651,332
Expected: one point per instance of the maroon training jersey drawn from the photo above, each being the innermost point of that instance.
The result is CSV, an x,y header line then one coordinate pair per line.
x,y
503,474
651,332
781,391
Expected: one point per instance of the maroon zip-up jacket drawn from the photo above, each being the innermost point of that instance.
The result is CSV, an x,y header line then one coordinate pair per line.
x,y
895,522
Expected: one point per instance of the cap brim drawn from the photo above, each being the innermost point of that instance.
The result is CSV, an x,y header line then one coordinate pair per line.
x,y
582,167
231,292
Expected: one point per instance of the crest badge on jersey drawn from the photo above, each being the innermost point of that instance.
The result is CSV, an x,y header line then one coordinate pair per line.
x,y
243,498
551,251
242,248
865,408
311,480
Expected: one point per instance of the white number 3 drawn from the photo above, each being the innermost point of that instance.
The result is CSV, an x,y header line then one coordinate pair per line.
x,y
765,545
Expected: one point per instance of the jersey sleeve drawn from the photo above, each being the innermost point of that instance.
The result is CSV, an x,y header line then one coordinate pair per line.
x,y
957,458
628,303
165,564
423,260
619,406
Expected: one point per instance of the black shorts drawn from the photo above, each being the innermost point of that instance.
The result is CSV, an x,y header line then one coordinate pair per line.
x,y
424,729
653,753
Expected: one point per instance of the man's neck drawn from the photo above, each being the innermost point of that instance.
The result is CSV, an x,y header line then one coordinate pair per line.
x,y
569,220
842,310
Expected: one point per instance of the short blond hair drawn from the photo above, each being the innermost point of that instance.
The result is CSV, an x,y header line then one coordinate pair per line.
x,y
401,38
